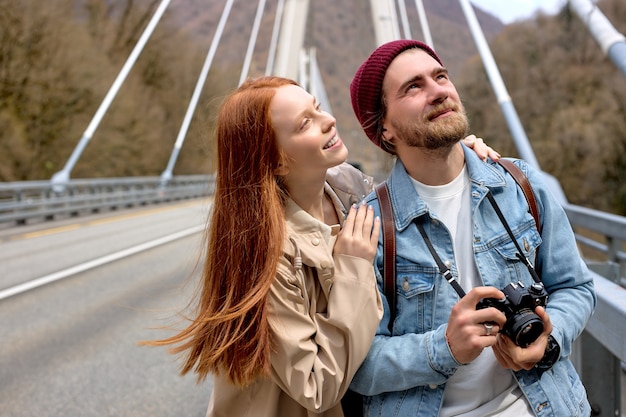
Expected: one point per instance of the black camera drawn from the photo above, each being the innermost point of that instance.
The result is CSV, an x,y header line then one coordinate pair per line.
x,y
522,325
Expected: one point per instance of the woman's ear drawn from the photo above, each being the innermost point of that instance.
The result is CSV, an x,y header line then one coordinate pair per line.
x,y
281,170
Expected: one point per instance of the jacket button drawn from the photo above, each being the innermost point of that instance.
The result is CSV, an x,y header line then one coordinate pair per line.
x,y
405,285
448,264
315,242
432,386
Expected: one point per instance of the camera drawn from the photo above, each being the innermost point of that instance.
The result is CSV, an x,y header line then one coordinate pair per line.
x,y
522,325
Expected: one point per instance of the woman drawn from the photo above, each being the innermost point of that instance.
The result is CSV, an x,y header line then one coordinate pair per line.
x,y
288,304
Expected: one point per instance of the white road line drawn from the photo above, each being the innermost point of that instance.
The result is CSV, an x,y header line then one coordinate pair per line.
x,y
38,282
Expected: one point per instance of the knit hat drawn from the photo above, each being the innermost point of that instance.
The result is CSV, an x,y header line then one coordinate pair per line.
x,y
367,85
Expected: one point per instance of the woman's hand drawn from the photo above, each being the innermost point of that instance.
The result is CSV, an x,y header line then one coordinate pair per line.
x,y
359,235
480,147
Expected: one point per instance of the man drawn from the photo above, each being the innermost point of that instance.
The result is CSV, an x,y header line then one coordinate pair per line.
x,y
445,357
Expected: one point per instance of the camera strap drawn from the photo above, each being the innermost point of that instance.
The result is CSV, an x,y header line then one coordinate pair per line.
x,y
445,271
389,235
519,255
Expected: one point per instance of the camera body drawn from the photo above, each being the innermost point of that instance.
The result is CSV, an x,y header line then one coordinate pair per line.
x,y
522,325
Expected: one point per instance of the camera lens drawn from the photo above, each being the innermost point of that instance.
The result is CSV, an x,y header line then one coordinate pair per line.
x,y
524,327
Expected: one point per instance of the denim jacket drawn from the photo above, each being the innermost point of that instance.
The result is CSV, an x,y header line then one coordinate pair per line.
x,y
405,372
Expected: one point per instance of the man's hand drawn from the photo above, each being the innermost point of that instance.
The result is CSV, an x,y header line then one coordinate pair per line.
x,y
511,356
469,330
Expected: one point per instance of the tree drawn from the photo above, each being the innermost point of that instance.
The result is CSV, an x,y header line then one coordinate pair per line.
x,y
570,99
59,58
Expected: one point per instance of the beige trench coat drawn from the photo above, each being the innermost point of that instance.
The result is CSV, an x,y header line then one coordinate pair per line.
x,y
324,312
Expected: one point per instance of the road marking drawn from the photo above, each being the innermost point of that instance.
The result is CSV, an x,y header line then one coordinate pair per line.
x,y
50,231
38,282
127,216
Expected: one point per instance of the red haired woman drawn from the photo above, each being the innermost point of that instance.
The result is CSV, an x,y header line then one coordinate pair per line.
x,y
289,302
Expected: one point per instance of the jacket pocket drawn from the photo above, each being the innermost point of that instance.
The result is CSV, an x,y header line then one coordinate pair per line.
x,y
415,286
504,254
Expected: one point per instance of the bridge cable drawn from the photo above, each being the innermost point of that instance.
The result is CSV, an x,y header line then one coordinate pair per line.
x,y
428,39
252,41
60,178
406,28
271,56
167,174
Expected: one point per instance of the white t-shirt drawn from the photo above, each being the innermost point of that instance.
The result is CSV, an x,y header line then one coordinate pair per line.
x,y
481,388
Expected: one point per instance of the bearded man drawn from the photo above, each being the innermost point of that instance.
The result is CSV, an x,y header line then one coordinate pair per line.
x,y
441,355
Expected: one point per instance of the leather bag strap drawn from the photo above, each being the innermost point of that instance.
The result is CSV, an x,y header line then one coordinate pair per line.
x,y
527,189
389,249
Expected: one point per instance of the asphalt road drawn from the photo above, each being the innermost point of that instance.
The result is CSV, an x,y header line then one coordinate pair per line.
x,y
70,347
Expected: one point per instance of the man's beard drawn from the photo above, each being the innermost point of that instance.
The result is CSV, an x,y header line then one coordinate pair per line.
x,y
438,134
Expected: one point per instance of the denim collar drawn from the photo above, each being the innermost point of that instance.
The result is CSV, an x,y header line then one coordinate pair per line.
x,y
484,176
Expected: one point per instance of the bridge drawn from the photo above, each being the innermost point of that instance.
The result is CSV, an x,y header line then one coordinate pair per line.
x,y
88,265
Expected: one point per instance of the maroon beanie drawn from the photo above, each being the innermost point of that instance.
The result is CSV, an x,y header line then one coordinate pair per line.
x,y
367,85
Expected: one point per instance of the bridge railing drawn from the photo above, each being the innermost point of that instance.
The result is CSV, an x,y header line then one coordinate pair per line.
x,y
42,200
602,347
600,235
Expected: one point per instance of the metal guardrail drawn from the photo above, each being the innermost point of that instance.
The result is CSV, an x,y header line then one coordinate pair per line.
x,y
603,233
602,347
28,200
24,200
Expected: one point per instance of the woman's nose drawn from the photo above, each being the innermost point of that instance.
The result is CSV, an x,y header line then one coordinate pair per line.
x,y
329,122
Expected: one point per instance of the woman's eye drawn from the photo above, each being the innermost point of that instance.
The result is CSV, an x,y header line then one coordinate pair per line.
x,y
305,123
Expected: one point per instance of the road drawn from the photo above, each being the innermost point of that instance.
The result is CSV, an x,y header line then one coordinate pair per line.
x,y
70,347
76,297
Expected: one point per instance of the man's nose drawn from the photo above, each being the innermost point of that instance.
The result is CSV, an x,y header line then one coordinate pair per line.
x,y
437,93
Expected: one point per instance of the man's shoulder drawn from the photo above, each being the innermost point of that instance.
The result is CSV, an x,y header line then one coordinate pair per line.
x,y
346,180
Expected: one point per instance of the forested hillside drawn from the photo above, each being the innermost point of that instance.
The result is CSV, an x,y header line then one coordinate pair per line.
x,y
58,59
571,100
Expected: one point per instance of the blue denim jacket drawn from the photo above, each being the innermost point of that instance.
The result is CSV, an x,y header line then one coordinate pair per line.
x,y
405,373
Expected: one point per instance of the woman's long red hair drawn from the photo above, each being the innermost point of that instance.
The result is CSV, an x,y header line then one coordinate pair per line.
x,y
229,332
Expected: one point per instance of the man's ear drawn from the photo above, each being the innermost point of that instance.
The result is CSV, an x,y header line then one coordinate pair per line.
x,y
386,135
